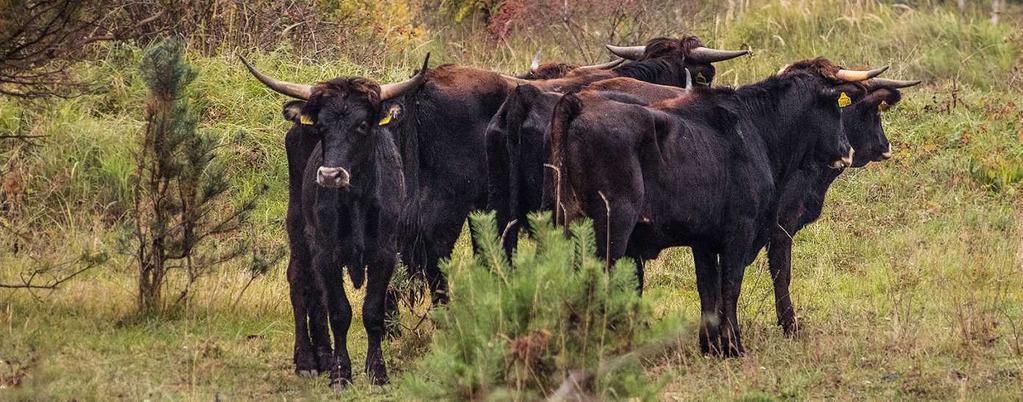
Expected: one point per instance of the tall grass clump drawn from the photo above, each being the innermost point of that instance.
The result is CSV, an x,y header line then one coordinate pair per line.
x,y
518,330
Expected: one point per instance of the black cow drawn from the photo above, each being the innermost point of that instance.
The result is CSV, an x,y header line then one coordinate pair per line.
x,y
313,353
801,199
352,192
517,135
703,170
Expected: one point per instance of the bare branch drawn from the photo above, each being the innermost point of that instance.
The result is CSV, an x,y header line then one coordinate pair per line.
x,y
29,283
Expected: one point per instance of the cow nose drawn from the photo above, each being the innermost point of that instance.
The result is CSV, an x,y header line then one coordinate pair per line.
x,y
887,154
846,161
334,177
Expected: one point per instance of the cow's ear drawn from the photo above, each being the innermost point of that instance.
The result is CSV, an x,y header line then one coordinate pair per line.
x,y
844,94
391,113
293,112
883,98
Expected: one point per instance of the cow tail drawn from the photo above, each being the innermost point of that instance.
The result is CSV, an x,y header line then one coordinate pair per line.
x,y
519,102
563,200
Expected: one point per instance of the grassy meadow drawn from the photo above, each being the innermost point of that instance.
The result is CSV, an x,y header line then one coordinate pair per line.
x,y
910,287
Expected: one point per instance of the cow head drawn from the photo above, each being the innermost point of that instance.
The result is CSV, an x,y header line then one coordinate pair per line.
x,y
688,51
346,115
862,120
823,90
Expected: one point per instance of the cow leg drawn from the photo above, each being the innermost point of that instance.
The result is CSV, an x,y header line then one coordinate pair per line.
x,y
303,357
439,247
779,255
379,276
733,268
640,273
319,328
708,284
612,231
339,314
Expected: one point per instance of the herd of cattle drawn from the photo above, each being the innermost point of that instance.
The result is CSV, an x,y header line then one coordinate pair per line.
x,y
643,146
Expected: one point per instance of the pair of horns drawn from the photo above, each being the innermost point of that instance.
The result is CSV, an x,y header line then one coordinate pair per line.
x,y
535,63
304,91
698,55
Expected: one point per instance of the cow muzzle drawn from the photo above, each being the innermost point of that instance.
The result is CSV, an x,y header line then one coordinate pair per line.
x,y
846,161
332,177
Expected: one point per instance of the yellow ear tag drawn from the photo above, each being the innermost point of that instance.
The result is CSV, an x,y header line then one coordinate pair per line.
x,y
883,106
384,121
305,120
844,100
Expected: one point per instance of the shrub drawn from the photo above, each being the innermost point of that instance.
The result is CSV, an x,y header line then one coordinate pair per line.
x,y
517,330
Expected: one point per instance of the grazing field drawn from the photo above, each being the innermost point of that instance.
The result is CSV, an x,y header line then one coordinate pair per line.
x,y
910,287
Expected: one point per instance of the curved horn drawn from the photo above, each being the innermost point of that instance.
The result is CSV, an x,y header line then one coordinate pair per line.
x,y
535,64
708,55
627,52
604,66
299,91
388,91
877,83
689,81
859,75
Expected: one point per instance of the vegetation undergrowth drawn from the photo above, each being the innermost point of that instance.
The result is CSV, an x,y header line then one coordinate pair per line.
x,y
520,327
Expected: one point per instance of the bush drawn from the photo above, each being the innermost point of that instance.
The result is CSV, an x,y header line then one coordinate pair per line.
x,y
516,331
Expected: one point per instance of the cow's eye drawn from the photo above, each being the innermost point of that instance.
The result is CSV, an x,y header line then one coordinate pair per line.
x,y
362,127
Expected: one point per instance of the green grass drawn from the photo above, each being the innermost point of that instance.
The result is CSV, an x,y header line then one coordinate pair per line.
x,y
909,287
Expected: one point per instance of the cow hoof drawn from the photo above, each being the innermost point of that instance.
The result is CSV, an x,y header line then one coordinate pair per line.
x,y
308,373
379,379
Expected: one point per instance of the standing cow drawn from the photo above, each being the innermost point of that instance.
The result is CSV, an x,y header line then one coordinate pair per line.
x,y
352,192
801,199
703,170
